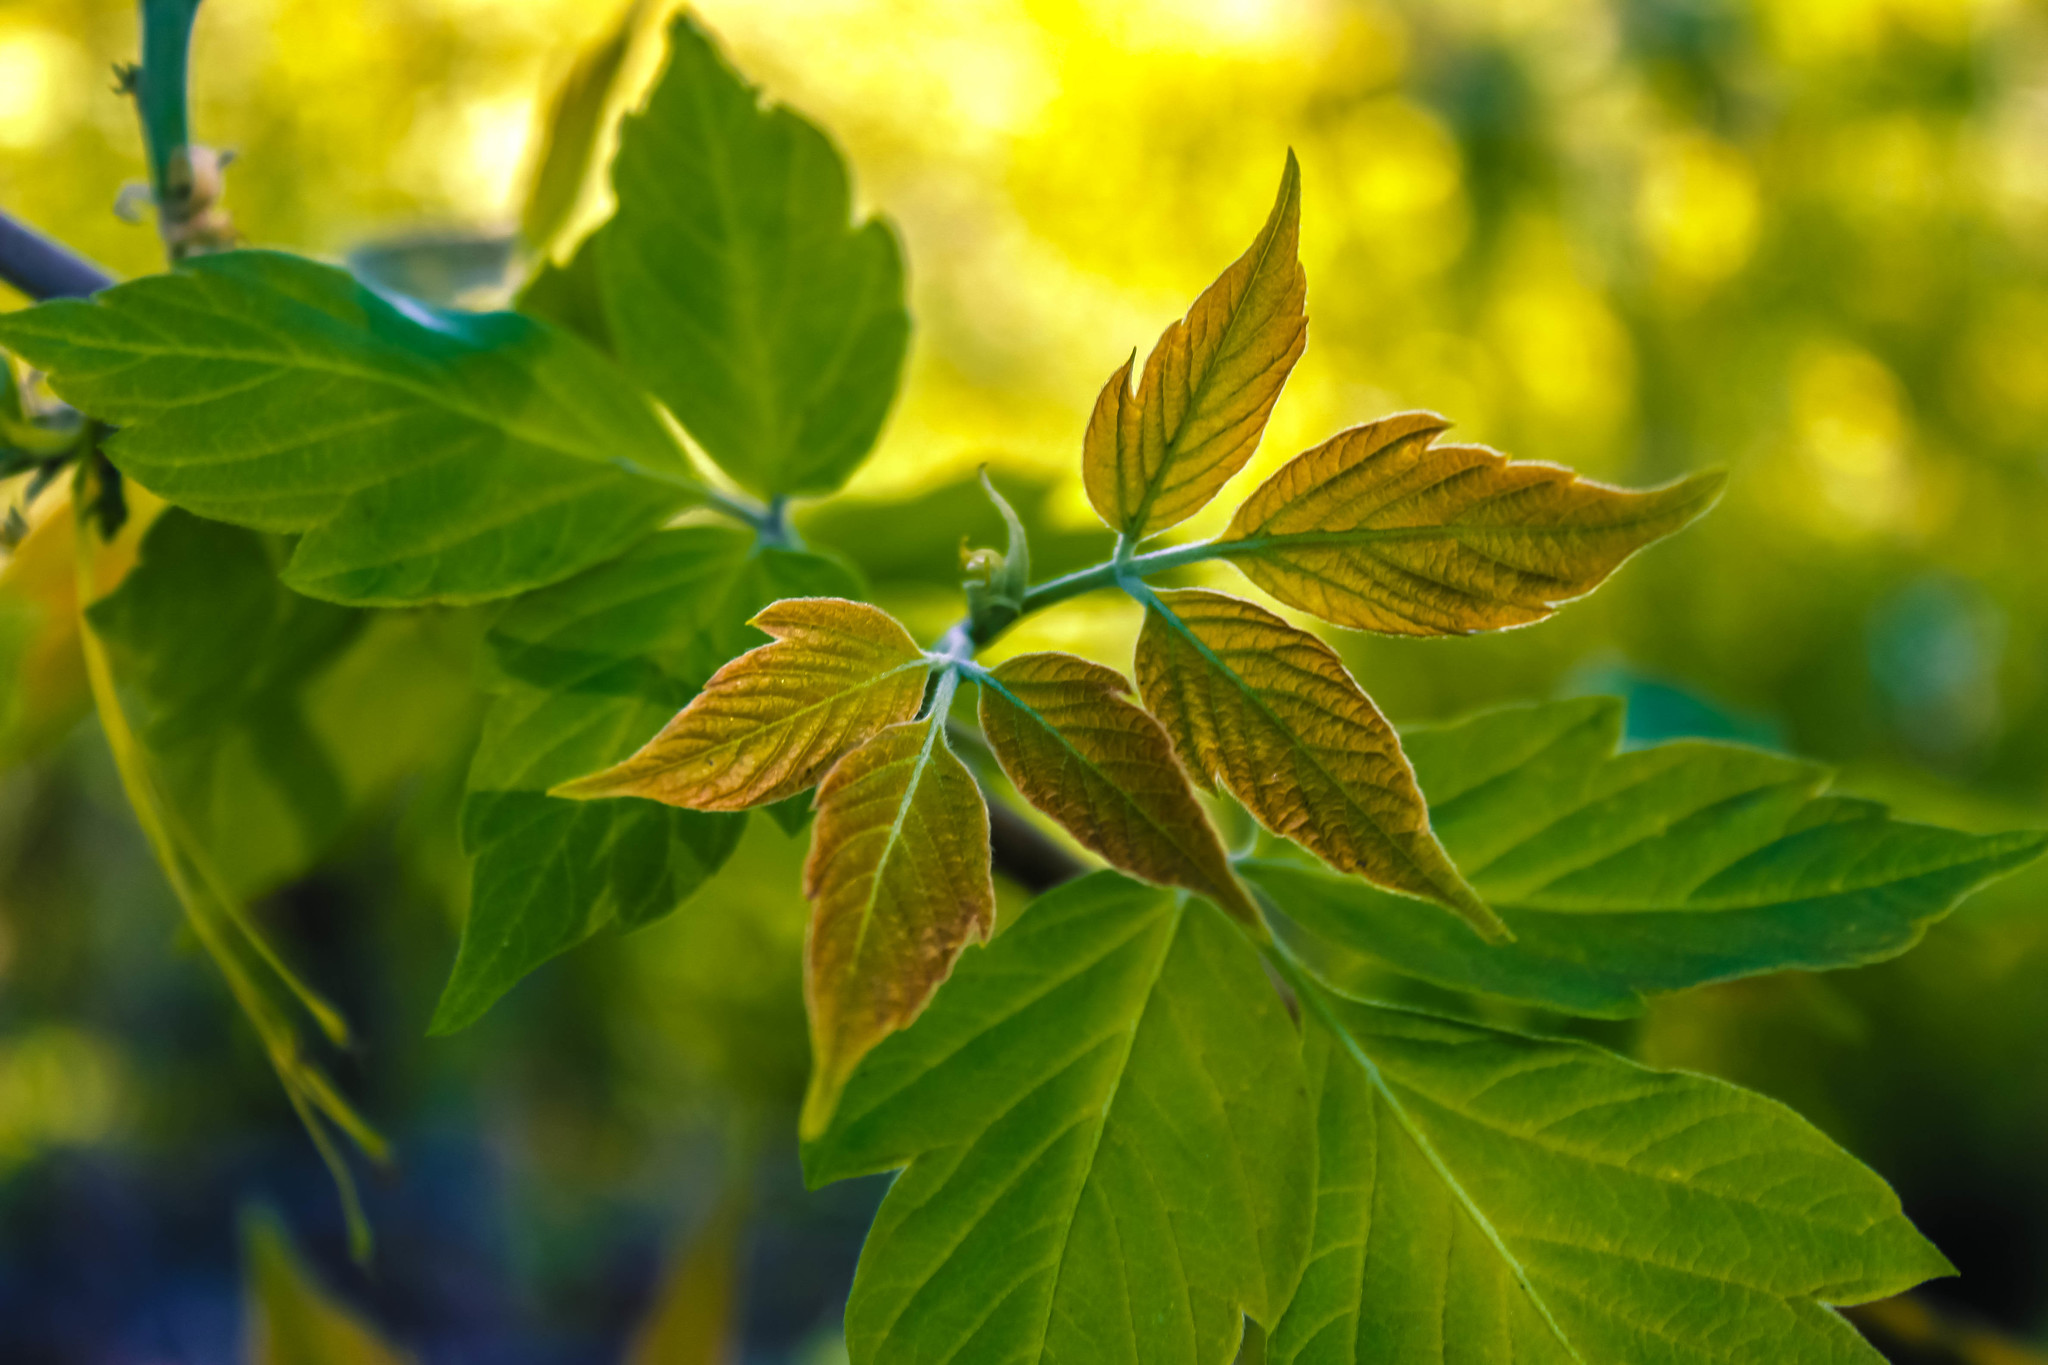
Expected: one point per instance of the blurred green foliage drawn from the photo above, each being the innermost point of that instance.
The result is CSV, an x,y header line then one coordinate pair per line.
x,y
1805,239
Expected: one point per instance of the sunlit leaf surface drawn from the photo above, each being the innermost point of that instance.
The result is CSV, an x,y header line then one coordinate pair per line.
x,y
1379,529
420,456
770,723
583,671
1273,712
898,879
1627,874
737,284
1109,1140
1488,1196
1075,748
1154,457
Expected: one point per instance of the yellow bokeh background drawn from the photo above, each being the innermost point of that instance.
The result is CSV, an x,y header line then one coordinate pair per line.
x,y
1800,238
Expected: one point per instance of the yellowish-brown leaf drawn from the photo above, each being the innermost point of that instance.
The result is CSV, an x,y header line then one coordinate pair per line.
x,y
1153,458
1077,750
898,879
1379,529
1273,712
769,723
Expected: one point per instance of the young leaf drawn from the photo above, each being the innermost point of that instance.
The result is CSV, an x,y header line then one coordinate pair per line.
x,y
1075,749
738,287
583,671
772,721
1489,1196
1627,874
898,879
1153,458
1273,711
421,456
1109,1139
1378,529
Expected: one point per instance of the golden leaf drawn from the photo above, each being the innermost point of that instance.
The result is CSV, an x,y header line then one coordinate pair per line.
x,y
1154,458
774,719
1274,712
1378,529
898,879
1075,749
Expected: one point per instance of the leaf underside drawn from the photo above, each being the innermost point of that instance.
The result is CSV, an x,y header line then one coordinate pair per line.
x,y
420,456
898,880
1487,1196
1154,457
769,724
1273,712
1379,529
1624,875
583,672
1109,1142
736,284
1076,749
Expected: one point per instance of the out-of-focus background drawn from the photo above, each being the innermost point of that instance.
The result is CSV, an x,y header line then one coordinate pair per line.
x,y
1803,239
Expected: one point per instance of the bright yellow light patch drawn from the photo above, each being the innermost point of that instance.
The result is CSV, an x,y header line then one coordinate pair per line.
x,y
41,79
1852,428
1697,209
58,1086
1570,356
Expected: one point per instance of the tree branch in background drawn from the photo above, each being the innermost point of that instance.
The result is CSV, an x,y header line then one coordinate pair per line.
x,y
43,268
1026,854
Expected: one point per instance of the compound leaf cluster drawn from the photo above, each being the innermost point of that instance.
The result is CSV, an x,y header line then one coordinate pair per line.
x,y
1150,1110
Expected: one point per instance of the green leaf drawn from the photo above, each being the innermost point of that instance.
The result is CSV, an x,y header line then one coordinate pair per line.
x,y
271,720
586,670
422,456
1627,874
1109,1145
1486,1196
737,284
214,656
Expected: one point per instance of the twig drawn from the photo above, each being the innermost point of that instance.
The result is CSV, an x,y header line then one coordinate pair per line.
x,y
1026,854
43,268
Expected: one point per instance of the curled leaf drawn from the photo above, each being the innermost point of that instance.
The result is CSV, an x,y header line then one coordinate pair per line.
x,y
1273,711
1379,529
1077,750
769,723
898,879
1153,458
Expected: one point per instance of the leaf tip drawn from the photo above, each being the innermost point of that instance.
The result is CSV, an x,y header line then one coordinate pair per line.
x,y
829,1075
591,786
1478,914
455,1011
